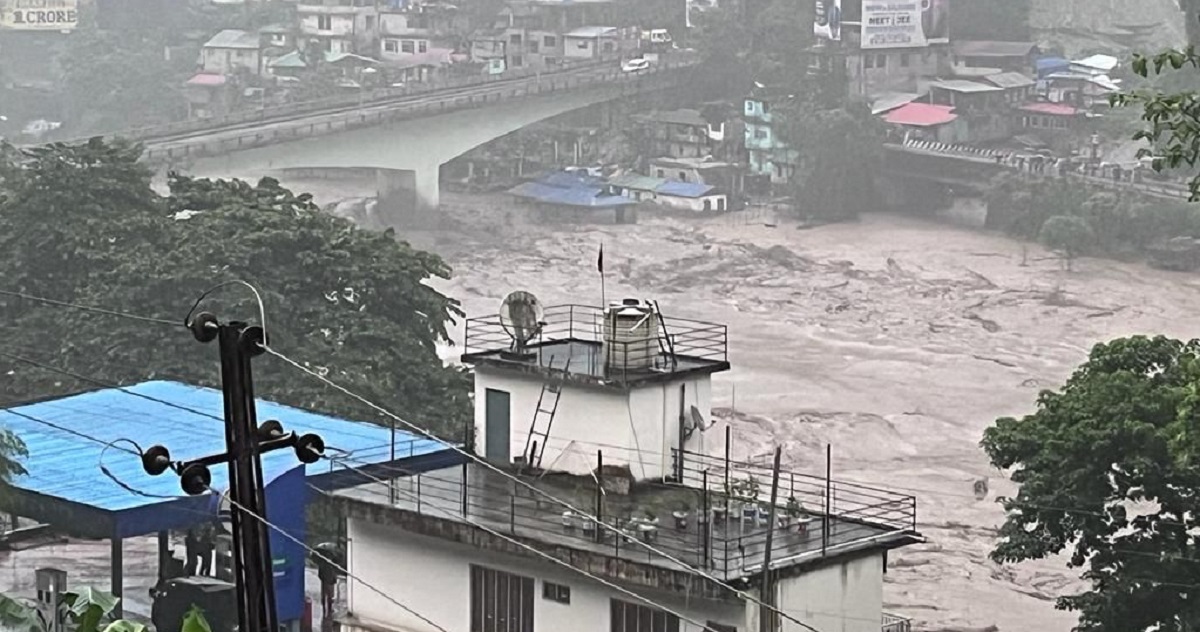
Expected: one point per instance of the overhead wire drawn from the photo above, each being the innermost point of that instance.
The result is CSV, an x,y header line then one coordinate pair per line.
x,y
262,316
551,558
325,558
89,308
483,463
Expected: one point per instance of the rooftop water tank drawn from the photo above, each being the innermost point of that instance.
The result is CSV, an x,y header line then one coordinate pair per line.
x,y
631,335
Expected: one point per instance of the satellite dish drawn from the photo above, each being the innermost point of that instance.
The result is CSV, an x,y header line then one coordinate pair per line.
x,y
695,422
521,317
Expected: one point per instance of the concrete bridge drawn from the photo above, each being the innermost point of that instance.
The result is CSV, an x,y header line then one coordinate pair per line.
x,y
405,138
973,169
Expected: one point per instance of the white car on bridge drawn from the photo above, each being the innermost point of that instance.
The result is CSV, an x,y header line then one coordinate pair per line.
x,y
638,64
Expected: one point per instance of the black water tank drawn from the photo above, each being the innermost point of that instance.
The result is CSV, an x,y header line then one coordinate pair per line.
x,y
175,597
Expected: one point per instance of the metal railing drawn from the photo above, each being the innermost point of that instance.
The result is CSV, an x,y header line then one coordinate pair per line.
x,y
364,99
727,538
851,502
666,345
895,623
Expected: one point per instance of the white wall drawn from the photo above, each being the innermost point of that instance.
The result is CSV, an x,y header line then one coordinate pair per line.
x,y
847,597
579,47
225,61
715,203
432,577
645,420
340,24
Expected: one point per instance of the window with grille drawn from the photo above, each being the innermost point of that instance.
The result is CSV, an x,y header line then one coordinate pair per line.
x,y
629,617
556,592
501,602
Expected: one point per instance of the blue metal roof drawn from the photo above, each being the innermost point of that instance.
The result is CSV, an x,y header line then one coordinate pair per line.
x,y
581,196
685,189
65,466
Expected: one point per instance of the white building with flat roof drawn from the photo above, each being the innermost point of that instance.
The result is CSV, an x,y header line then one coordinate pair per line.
x,y
592,499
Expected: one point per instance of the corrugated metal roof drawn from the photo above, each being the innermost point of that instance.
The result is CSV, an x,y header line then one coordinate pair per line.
x,y
593,31
1053,109
921,115
580,196
64,465
964,86
891,100
233,38
637,181
685,189
1010,80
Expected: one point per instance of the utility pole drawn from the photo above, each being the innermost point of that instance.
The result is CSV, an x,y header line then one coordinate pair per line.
x,y
766,613
245,442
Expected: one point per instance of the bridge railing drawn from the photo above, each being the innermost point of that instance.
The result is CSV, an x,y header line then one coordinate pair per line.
x,y
362,98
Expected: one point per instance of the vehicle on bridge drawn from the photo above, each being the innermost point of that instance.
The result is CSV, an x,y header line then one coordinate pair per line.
x,y
638,64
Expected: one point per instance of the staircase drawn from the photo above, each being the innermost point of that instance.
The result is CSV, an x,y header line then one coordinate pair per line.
x,y
543,416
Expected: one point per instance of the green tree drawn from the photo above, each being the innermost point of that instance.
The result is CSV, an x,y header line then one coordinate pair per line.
x,y
838,154
1170,113
81,223
116,81
1107,473
1068,235
84,610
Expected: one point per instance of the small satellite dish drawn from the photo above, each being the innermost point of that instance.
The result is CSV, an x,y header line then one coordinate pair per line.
x,y
695,422
521,317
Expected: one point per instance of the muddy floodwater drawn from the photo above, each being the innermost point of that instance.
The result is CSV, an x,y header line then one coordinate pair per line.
x,y
895,339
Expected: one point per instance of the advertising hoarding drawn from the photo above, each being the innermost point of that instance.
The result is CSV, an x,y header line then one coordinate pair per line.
x,y
827,22
904,23
38,15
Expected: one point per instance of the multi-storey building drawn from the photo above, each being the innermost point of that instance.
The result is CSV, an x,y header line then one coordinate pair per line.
x,y
338,26
592,501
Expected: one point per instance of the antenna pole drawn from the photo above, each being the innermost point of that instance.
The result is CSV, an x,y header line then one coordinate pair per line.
x,y
600,269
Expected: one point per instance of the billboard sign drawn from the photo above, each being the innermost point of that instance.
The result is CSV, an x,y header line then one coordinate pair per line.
x,y
38,15
904,23
827,22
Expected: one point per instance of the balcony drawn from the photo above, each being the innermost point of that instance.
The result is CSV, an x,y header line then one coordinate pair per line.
x,y
896,623
571,343
691,519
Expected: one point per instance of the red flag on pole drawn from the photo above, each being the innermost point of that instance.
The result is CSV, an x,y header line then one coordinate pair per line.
x,y
600,260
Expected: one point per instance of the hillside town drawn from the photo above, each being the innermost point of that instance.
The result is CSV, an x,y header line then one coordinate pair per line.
x,y
612,315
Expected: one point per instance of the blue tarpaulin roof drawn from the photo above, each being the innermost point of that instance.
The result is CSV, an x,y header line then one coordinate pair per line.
x,y
685,189
64,466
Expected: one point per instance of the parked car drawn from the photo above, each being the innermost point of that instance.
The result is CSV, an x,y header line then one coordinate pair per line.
x,y
639,64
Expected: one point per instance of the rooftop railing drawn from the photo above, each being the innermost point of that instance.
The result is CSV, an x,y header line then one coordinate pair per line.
x,y
673,340
699,524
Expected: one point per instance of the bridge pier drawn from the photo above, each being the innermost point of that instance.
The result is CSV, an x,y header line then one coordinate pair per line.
x,y
408,198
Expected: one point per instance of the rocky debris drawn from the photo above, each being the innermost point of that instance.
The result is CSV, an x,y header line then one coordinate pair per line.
x,y
1181,254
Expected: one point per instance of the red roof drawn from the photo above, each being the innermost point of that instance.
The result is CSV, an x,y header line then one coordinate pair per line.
x,y
206,79
1053,109
921,115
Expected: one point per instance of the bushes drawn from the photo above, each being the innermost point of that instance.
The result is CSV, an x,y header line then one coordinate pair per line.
x,y
1121,223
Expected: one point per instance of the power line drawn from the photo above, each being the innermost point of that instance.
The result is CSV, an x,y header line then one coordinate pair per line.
x,y
103,384
551,558
321,556
600,524
89,308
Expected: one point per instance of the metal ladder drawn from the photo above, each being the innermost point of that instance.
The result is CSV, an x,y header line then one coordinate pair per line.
x,y
547,407
665,345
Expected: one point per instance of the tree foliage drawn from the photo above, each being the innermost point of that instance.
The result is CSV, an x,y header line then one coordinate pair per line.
x,y
1068,235
838,155
81,224
1171,114
84,610
1123,223
1107,472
